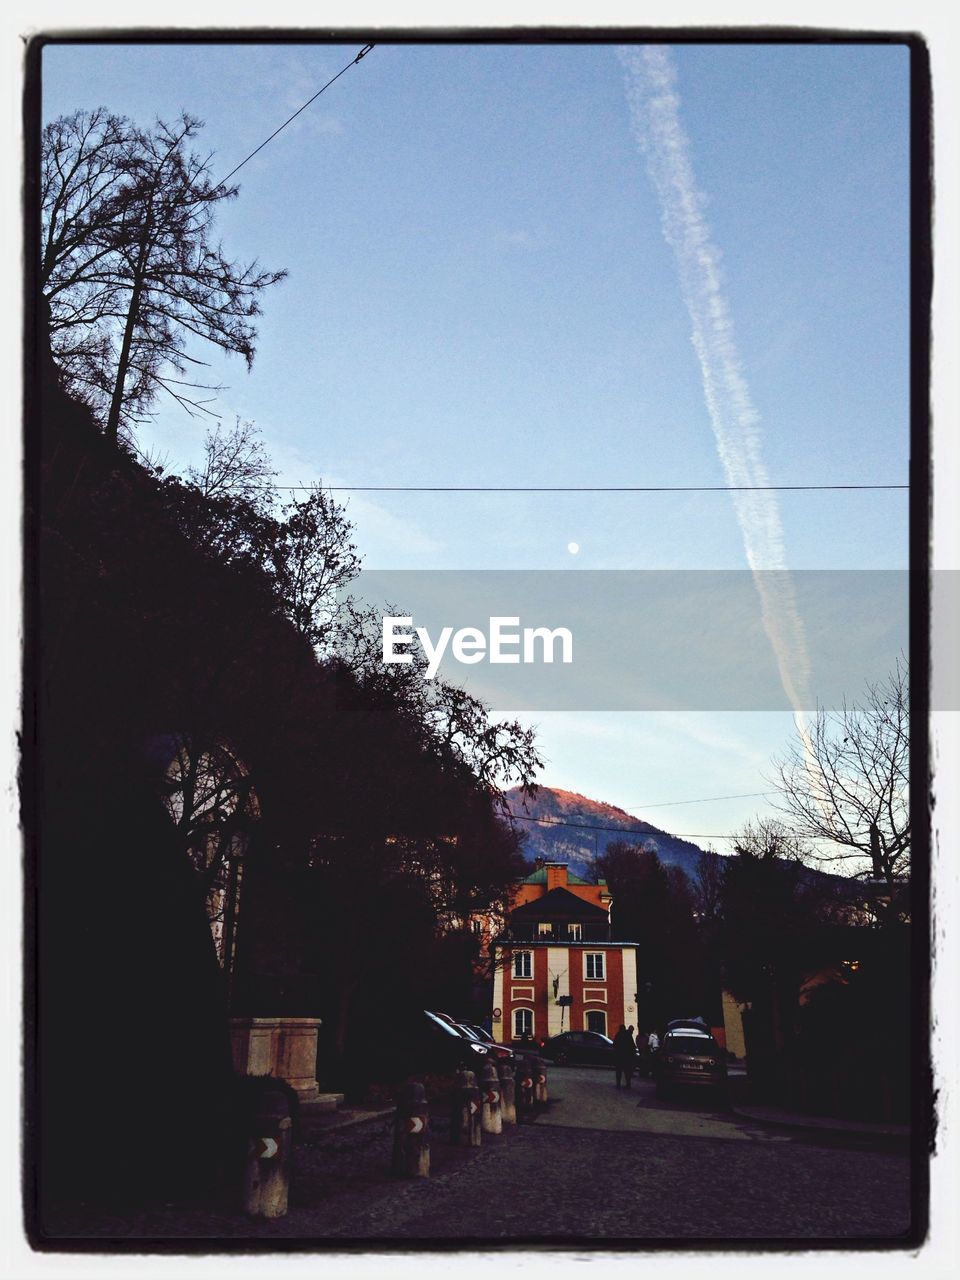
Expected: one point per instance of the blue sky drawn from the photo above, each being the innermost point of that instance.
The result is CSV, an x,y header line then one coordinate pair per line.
x,y
480,292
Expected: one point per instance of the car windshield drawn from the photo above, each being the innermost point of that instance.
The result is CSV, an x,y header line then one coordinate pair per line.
x,y
691,1044
444,1026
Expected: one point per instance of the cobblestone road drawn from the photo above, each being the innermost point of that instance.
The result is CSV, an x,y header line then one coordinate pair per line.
x,y
598,1165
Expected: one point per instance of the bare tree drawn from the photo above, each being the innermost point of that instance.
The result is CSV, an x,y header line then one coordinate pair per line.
x,y
209,794
311,561
235,465
499,753
767,839
846,781
83,169
130,269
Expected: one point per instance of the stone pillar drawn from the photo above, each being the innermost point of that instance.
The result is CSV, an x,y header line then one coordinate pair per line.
x,y
253,1043
296,1055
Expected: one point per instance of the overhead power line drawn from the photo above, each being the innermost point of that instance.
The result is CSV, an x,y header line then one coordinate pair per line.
x,y
668,804
580,488
362,54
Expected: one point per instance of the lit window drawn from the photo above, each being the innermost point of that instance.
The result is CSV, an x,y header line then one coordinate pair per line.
x,y
594,966
522,964
575,931
544,930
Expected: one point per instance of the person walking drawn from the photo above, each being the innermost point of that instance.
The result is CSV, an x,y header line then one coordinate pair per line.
x,y
652,1049
624,1055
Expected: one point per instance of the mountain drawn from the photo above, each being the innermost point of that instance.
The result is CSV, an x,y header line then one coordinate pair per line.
x,y
557,839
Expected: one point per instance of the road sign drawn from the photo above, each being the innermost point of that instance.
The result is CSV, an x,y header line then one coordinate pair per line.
x,y
473,1107
497,1015
564,1000
492,1096
266,1148
416,1124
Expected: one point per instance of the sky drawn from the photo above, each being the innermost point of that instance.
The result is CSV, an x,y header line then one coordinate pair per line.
x,y
502,273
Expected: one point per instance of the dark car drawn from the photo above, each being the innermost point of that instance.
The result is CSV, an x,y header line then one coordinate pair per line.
x,y
500,1052
579,1046
481,1050
424,1043
690,1056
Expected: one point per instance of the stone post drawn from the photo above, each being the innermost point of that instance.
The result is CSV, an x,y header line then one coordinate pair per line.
x,y
540,1080
490,1116
266,1175
465,1128
508,1106
411,1133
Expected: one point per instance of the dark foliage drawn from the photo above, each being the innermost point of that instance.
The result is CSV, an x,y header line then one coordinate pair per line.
x,y
654,906
130,267
158,626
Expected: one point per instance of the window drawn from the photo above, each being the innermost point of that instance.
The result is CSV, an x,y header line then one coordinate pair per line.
x,y
597,1021
522,1023
544,930
594,966
575,932
522,964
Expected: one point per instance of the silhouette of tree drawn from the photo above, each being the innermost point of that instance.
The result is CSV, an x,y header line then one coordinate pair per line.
x,y
130,270
707,886
846,780
499,753
653,905
235,465
311,561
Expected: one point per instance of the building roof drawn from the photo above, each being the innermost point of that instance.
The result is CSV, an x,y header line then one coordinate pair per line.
x,y
540,877
559,904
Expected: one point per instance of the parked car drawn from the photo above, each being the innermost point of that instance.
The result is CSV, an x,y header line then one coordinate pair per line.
x,y
424,1043
500,1052
477,1045
482,1032
690,1056
579,1046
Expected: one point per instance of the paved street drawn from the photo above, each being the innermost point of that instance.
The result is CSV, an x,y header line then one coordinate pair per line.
x,y
600,1164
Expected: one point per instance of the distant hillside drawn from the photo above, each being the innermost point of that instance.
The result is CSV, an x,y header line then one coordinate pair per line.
x,y
603,824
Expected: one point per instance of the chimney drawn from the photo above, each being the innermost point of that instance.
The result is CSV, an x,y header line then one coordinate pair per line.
x,y
556,875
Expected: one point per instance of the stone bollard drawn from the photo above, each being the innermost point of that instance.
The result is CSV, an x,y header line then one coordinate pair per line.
x,y
266,1174
540,1081
411,1133
508,1106
465,1130
525,1087
491,1118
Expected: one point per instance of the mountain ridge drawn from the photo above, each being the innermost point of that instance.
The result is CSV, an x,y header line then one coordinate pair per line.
x,y
554,818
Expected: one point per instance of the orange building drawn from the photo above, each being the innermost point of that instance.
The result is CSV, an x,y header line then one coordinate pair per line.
x,y
556,967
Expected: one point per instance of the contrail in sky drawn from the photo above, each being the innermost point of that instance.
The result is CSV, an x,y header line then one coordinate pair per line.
x,y
655,116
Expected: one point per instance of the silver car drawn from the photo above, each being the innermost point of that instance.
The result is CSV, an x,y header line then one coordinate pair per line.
x,y
689,1056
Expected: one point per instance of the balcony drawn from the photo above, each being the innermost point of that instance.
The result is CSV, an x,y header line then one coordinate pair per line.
x,y
559,933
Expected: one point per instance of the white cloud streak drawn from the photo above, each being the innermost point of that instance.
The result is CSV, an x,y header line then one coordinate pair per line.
x,y
655,117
